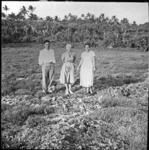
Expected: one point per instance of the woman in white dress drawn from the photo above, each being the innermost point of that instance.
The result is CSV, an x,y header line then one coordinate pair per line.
x,y
87,68
67,71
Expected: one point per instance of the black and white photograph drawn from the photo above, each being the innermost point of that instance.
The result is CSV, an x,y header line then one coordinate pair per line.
x,y
74,75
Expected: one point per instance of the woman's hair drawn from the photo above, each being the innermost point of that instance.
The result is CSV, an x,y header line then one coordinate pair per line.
x,y
86,43
45,41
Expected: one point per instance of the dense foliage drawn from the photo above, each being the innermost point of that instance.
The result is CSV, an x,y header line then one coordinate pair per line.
x,y
26,26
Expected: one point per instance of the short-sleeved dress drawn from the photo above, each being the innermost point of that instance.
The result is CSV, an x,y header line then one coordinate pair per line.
x,y
67,71
86,70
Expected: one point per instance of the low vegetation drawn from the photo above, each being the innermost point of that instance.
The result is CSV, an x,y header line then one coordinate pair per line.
x,y
113,118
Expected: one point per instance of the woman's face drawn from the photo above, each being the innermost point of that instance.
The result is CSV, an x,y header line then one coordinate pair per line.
x,y
68,48
47,45
87,47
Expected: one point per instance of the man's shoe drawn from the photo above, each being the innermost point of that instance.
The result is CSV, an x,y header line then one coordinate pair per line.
x,y
45,92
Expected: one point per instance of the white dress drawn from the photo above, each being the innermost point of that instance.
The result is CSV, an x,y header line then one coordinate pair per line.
x,y
67,71
86,70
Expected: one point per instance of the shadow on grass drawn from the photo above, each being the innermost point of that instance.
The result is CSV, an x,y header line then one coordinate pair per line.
x,y
108,81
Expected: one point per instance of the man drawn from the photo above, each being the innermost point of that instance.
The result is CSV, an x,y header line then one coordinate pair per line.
x,y
47,63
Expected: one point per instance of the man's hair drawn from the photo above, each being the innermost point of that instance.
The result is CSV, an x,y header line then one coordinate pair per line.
x,y
87,43
45,41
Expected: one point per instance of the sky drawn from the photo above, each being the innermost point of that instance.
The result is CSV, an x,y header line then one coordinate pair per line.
x,y
133,11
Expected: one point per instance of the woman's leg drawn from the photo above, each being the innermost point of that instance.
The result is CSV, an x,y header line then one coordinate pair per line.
x,y
66,92
87,89
69,86
90,90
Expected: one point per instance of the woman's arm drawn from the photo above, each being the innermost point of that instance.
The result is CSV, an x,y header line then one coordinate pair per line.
x,y
94,63
63,58
40,59
81,61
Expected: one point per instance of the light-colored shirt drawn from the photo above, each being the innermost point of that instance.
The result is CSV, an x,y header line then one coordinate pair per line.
x,y
46,56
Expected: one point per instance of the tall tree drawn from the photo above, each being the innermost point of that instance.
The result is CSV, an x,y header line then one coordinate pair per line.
x,y
31,8
33,17
6,9
82,16
3,15
66,18
24,11
101,17
12,16
56,18
48,18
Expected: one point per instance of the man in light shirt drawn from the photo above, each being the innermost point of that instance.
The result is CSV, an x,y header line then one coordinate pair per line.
x,y
47,63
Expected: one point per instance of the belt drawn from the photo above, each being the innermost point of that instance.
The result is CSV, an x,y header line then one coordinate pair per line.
x,y
49,63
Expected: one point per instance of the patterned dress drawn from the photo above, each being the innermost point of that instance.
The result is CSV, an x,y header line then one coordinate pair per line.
x,y
86,70
67,71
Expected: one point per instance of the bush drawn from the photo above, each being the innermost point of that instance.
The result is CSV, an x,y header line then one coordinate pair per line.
x,y
34,121
26,39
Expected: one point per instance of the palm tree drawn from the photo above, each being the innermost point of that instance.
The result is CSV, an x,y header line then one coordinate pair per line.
x,y
56,18
66,17
20,16
114,20
24,11
92,18
48,18
82,16
3,15
69,16
6,9
12,16
107,20
124,26
102,17
31,8
33,17
88,16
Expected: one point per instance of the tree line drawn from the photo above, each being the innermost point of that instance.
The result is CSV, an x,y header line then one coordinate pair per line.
x,y
26,26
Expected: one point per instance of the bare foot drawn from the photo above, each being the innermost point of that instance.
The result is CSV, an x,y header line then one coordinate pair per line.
x,y
66,92
44,91
70,92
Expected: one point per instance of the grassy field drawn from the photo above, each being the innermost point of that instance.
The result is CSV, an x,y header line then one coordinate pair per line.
x,y
113,118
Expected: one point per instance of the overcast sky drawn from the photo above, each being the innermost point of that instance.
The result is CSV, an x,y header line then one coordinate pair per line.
x,y
133,11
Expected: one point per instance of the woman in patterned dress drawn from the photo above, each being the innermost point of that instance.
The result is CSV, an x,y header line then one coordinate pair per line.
x,y
87,68
67,71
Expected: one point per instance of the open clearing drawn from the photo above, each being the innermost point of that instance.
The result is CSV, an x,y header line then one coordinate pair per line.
x,y
113,118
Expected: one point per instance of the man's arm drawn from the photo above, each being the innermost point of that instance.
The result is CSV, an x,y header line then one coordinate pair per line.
x,y
53,57
40,58
94,61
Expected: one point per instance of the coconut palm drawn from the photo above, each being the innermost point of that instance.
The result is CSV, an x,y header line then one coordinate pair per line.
x,y
6,9
31,8
3,15
82,16
24,11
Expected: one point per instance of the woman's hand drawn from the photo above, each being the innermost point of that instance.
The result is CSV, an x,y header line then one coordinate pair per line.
x,y
94,68
78,68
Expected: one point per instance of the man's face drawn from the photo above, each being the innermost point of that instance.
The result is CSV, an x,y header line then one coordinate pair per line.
x,y
87,47
47,45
